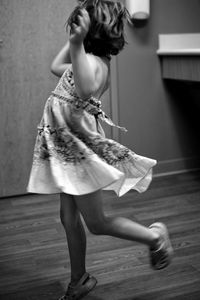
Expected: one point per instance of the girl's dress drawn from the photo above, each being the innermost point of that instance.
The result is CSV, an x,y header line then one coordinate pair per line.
x,y
72,154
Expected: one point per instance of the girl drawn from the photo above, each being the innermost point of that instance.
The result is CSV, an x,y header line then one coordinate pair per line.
x,y
73,157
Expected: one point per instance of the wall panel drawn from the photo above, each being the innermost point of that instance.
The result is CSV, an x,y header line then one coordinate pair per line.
x,y
161,116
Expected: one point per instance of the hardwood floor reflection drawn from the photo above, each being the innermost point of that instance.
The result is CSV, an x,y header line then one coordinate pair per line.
x,y
34,262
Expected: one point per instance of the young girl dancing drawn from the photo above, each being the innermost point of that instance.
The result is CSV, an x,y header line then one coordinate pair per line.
x,y
73,157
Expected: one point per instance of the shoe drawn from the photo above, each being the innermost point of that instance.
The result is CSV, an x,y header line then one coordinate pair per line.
x,y
81,289
161,257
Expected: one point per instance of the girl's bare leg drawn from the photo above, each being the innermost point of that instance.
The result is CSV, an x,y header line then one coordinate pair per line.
x,y
70,218
91,208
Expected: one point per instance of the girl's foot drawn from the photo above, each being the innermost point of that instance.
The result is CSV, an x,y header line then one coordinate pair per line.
x,y
81,289
161,255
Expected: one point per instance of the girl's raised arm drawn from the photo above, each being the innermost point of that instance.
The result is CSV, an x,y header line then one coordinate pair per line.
x,y
86,68
61,61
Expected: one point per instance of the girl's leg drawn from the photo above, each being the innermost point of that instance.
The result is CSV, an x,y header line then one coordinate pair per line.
x,y
91,208
70,218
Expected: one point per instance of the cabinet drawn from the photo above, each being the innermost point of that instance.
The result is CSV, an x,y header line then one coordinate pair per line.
x,y
180,56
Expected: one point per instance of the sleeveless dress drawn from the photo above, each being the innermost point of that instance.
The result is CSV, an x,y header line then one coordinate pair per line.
x,y
72,154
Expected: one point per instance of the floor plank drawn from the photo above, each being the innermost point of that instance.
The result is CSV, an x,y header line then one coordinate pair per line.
x,y
34,261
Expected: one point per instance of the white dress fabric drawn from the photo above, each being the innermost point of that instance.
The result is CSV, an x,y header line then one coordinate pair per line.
x,y
72,154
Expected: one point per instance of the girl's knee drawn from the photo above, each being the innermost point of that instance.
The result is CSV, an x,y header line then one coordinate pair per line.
x,y
97,226
91,208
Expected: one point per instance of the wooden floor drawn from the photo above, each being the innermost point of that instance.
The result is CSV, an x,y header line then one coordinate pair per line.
x,y
34,262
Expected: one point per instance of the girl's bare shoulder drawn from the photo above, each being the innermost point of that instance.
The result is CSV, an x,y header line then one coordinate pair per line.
x,y
98,62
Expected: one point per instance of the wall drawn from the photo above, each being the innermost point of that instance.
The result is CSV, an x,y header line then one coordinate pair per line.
x,y
162,117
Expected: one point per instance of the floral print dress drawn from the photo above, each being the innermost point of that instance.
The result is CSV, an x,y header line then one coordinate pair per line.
x,y
72,154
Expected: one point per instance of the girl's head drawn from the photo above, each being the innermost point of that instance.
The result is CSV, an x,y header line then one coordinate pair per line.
x,y
106,33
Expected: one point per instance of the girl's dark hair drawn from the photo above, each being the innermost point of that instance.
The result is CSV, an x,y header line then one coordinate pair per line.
x,y
106,33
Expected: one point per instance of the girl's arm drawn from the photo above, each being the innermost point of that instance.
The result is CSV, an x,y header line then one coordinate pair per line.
x,y
61,61
86,68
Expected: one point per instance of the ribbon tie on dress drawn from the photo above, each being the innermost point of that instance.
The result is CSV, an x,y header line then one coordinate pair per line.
x,y
92,105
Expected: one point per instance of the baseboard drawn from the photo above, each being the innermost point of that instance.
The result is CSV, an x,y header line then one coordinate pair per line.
x,y
177,166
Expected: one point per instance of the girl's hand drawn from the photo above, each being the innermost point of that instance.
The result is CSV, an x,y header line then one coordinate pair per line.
x,y
80,29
